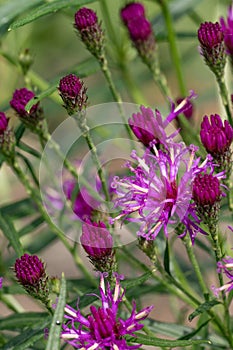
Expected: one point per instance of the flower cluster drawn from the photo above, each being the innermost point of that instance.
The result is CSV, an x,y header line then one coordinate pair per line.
x,y
103,328
140,31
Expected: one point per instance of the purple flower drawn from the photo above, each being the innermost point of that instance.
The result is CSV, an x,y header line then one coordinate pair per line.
x,y
131,11
103,328
227,28
139,29
30,273
73,93
188,112
85,18
211,38
158,192
206,190
225,266
96,239
148,125
20,99
1,280
90,31
29,269
3,123
216,136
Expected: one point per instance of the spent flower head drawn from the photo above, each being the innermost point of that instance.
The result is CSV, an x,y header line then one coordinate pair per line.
x,y
90,31
103,328
211,38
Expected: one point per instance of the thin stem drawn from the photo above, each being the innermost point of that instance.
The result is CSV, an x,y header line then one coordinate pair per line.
x,y
173,45
224,96
218,257
160,80
193,260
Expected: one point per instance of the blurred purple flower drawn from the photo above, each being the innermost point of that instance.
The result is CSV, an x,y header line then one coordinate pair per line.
x,y
103,328
3,123
132,11
227,28
1,280
20,99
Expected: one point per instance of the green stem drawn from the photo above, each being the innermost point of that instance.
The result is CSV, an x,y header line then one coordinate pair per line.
x,y
11,303
173,45
193,260
218,257
161,81
224,96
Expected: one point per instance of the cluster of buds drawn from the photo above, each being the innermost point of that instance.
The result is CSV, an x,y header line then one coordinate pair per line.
x,y
211,38
98,244
73,94
140,31
217,137
90,31
33,119
7,137
30,273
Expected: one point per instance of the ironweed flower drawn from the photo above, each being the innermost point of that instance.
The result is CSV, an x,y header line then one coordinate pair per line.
x,y
211,38
225,266
158,193
131,11
31,119
30,273
90,31
1,281
3,123
217,137
149,127
98,244
103,328
227,28
73,93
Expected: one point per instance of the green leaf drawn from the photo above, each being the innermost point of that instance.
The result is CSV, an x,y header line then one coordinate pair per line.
x,y
9,231
17,322
19,132
27,338
166,260
32,226
9,10
146,340
23,146
55,330
203,308
47,9
196,331
83,69
136,281
20,209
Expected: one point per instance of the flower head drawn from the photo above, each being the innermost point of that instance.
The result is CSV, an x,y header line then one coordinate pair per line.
x,y
90,31
30,273
98,244
131,11
227,28
3,123
1,280
225,266
73,93
211,38
216,136
157,193
103,328
20,99
206,190
139,29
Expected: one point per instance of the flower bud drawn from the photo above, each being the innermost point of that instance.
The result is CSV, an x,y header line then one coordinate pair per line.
x,y
73,93
90,31
30,273
131,11
211,38
227,28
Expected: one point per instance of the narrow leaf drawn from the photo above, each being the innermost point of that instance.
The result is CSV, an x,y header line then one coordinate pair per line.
x,y
18,210
47,9
136,281
203,308
55,330
9,231
17,322
32,226
153,341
